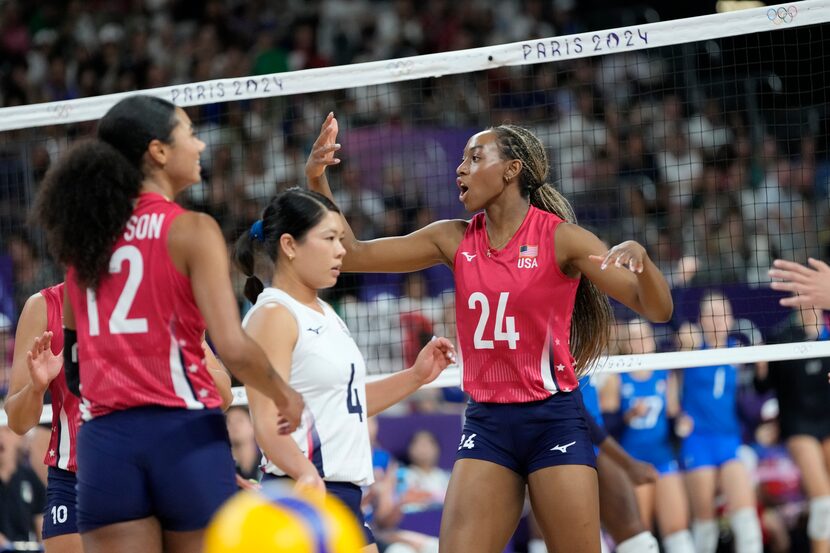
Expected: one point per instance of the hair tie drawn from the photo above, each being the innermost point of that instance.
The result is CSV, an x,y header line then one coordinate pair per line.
x,y
256,231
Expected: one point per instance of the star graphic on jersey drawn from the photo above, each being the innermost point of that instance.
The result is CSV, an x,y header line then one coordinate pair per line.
x,y
51,453
557,342
203,393
560,367
182,343
193,367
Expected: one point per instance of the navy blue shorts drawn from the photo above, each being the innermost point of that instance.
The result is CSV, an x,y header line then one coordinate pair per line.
x,y
351,496
59,518
174,464
526,437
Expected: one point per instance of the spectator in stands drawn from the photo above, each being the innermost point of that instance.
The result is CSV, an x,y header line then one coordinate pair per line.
x,y
22,494
425,483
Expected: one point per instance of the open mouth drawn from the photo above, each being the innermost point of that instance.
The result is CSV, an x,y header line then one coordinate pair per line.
x,y
464,189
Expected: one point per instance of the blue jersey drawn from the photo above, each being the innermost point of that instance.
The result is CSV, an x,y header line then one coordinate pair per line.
x,y
709,398
651,429
590,398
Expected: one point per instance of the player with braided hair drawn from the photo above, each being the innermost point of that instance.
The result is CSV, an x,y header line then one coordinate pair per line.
x,y
531,314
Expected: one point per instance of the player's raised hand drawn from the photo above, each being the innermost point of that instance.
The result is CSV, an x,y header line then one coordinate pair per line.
x,y
433,358
43,365
323,150
810,286
628,254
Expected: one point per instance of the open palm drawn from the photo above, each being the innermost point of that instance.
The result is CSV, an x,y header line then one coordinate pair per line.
x,y
43,365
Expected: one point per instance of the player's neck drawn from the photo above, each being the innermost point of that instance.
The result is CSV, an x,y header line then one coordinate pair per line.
x,y
158,185
503,220
292,286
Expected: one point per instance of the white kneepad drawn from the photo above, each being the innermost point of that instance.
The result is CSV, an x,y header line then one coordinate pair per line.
x,y
818,523
644,542
747,531
705,535
679,542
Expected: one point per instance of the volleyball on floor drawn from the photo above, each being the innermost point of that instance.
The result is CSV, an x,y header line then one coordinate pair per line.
x,y
275,519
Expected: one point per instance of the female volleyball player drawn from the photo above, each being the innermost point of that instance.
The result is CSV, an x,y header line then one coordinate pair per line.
x,y
523,307
804,418
24,405
648,400
144,279
710,450
301,233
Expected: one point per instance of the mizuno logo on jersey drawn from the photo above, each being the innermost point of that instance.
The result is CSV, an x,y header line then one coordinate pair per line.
x,y
468,255
315,330
562,448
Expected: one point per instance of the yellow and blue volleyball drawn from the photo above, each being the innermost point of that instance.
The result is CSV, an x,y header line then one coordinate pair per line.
x,y
275,519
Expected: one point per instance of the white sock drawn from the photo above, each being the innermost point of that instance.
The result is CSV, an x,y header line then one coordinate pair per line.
x,y
679,542
536,546
705,534
644,542
747,531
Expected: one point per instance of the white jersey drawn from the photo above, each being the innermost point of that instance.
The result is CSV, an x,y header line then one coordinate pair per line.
x,y
328,370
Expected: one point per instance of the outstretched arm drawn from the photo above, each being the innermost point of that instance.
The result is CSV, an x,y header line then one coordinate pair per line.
x,y
625,272
431,245
809,285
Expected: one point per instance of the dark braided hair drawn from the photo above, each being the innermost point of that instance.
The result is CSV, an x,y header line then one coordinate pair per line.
x,y
87,197
592,315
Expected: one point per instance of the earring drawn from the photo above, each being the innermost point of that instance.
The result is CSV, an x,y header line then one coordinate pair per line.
x,y
290,257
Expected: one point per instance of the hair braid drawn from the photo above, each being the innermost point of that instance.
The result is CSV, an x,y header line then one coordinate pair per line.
x,y
592,316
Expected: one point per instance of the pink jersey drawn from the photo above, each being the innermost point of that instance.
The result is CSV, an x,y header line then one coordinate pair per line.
x,y
66,415
513,313
139,333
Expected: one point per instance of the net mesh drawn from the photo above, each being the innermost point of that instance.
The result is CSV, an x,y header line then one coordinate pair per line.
x,y
704,139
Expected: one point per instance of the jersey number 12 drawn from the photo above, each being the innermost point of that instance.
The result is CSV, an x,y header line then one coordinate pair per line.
x,y
119,322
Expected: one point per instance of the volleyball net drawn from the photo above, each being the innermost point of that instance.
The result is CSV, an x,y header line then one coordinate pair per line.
x,y
705,139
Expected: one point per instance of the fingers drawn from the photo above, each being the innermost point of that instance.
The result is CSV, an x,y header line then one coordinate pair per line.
x,y
796,301
787,286
621,258
791,266
791,276
445,346
818,264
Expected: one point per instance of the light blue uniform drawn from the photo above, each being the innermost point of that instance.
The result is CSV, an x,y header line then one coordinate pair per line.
x,y
709,398
647,437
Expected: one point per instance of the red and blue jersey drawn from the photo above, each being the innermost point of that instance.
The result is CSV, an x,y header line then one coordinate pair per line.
x,y
66,415
139,333
513,313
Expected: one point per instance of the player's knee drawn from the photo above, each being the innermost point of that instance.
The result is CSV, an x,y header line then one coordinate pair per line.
x,y
705,536
679,542
818,523
644,542
747,531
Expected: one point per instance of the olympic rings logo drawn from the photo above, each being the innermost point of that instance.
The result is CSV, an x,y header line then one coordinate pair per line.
x,y
782,14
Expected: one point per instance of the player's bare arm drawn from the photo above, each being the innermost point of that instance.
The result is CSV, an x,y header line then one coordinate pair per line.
x,y
625,272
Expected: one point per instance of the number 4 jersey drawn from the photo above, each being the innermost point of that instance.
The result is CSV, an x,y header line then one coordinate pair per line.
x,y
328,370
139,333
513,312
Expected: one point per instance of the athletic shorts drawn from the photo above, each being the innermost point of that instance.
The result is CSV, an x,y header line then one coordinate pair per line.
x,y
60,516
351,496
660,455
174,464
818,428
708,450
526,437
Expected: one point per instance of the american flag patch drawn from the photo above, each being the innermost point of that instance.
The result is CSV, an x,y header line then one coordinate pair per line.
x,y
528,251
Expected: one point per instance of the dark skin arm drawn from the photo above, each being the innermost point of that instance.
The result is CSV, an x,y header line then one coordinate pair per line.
x,y
198,250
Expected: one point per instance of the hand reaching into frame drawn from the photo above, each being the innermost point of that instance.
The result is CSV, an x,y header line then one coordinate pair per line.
x,y
810,286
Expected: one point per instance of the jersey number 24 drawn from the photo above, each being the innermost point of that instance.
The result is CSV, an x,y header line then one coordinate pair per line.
x,y
504,329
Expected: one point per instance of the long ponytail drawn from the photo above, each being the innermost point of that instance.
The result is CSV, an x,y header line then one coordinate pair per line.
x,y
592,316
